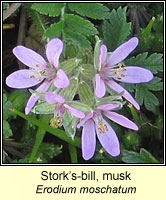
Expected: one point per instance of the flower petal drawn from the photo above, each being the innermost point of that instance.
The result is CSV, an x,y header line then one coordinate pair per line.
x,y
53,51
23,79
120,119
87,117
120,53
108,139
61,80
53,98
108,106
135,75
100,86
103,55
34,98
88,140
75,112
29,57
118,88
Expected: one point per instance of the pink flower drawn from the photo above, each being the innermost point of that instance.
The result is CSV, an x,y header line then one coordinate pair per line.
x,y
94,124
111,69
38,71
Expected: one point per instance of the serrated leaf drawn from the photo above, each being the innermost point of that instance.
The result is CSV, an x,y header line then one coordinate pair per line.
x,y
43,108
47,152
51,9
81,40
154,62
92,10
117,29
7,106
80,106
69,124
143,157
39,21
54,30
85,93
79,25
143,95
7,132
69,92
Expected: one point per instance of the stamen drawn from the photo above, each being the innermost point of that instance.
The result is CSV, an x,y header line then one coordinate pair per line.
x,y
102,127
56,122
120,65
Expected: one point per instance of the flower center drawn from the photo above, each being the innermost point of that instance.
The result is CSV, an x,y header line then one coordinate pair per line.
x,y
117,71
56,122
102,128
48,72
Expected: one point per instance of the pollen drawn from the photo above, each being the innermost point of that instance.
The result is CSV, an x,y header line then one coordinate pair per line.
x,y
102,127
56,122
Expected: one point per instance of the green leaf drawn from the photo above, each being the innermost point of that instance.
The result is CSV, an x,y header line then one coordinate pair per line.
x,y
92,10
143,157
39,138
69,92
143,95
39,21
81,40
7,107
69,124
79,25
7,132
154,62
43,108
54,30
117,29
47,152
18,99
85,93
51,9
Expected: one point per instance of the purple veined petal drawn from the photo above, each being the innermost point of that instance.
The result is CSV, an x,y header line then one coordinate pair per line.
x,y
34,98
53,98
53,51
88,140
108,106
87,117
23,79
118,88
108,138
103,55
29,57
120,53
61,80
135,75
120,119
74,111
100,86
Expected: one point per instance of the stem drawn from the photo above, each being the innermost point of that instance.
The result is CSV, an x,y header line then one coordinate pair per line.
x,y
73,153
39,138
56,132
